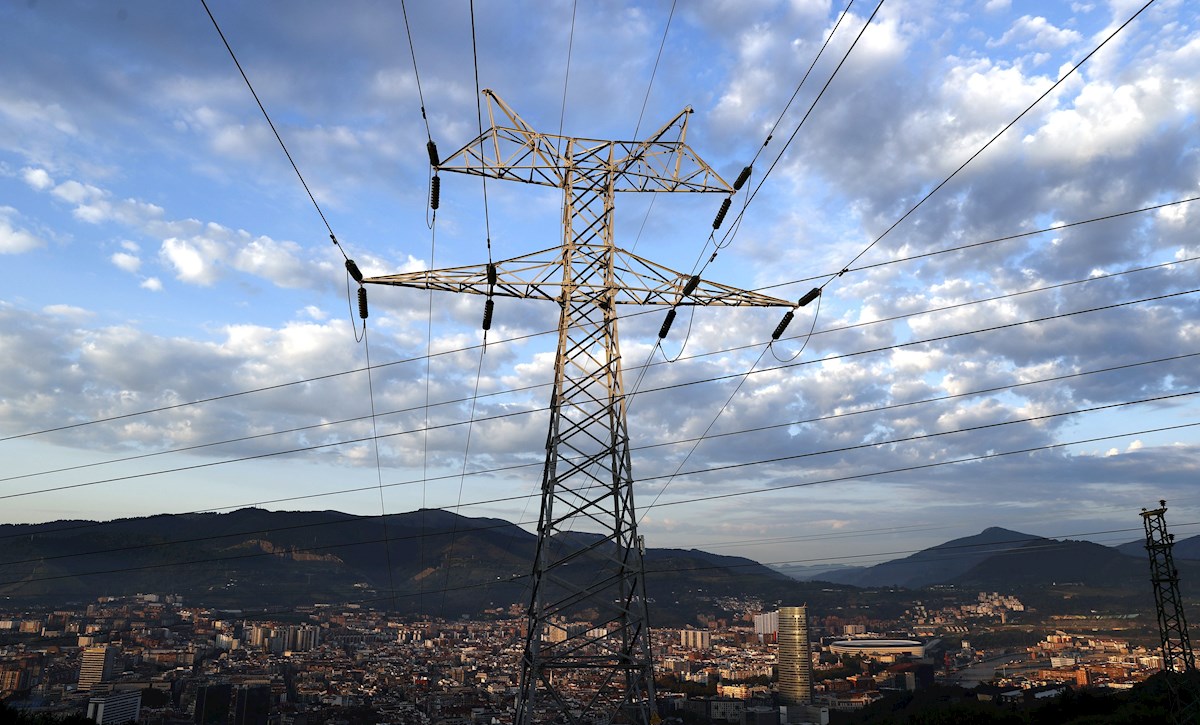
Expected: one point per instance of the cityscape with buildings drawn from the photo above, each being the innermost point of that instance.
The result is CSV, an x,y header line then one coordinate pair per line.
x,y
156,659
915,272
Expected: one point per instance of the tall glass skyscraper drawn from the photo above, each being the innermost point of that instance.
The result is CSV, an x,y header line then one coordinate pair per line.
x,y
795,659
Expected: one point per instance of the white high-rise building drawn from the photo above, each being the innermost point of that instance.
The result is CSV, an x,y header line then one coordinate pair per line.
x,y
115,708
794,657
766,625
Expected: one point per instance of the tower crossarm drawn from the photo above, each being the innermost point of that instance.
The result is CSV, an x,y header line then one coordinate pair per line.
x,y
539,276
511,149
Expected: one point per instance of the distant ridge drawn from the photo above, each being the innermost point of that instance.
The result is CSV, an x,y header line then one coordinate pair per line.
x,y
1051,561
938,564
253,558
444,564
1188,548
809,572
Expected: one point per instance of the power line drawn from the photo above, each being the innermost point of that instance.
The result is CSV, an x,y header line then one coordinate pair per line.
x,y
356,520
387,549
928,436
488,527
904,469
800,85
923,401
383,516
985,146
996,240
562,113
270,123
831,416
910,343
518,338
736,224
1052,541
416,74
653,72
873,444
997,298
462,476
266,388
704,434
1011,237
951,336
369,367
487,306
645,100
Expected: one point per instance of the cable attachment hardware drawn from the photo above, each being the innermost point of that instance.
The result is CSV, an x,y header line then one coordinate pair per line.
x,y
491,274
813,293
488,307
431,147
722,212
742,179
435,192
691,285
362,302
787,320
352,268
666,325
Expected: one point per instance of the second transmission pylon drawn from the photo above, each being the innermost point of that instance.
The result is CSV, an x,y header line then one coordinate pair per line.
x,y
588,564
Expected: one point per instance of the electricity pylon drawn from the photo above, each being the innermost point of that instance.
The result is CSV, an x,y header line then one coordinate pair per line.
x,y
1172,624
587,628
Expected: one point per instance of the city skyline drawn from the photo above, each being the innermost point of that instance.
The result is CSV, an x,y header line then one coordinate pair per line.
x,y
159,250
192,663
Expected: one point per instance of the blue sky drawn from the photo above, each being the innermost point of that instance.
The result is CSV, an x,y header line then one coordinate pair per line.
x,y
158,249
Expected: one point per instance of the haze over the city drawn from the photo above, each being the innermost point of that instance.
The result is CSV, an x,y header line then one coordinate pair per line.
x,y
158,249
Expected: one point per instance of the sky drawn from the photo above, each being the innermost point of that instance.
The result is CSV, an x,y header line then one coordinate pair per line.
x,y
993,358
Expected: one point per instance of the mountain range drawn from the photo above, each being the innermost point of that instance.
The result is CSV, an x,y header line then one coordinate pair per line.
x,y
428,561
999,557
438,562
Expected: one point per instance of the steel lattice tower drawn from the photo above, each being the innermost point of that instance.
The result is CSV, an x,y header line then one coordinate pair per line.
x,y
587,482
1172,625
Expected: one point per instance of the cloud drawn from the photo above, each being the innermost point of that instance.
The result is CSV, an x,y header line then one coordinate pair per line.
x,y
77,193
278,262
126,262
37,178
33,114
68,312
194,261
196,252
1036,32
14,240
173,177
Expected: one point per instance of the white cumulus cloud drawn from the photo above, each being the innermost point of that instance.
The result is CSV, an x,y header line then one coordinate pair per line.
x,y
127,262
14,240
195,262
1037,33
37,178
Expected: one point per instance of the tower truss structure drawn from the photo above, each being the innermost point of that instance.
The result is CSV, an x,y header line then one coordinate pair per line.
x,y
587,623
1172,624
